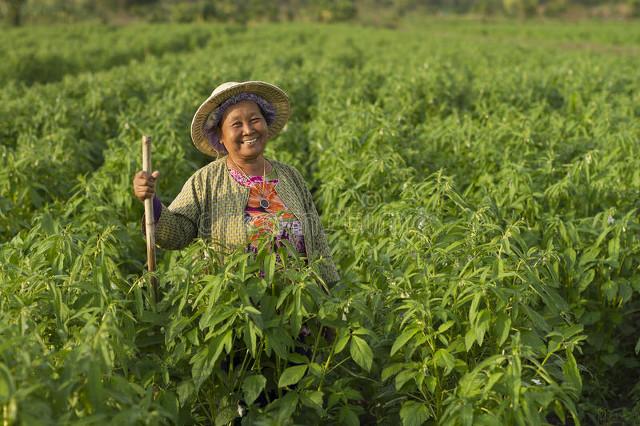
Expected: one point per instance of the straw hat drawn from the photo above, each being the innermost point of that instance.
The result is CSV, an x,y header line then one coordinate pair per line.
x,y
270,93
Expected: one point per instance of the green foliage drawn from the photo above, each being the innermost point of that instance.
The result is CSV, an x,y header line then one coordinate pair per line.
x,y
336,10
520,7
43,55
14,10
385,13
484,216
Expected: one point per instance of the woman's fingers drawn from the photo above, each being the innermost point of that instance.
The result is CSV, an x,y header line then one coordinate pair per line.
x,y
144,184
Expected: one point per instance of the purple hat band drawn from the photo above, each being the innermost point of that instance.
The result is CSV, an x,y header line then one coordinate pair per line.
x,y
213,121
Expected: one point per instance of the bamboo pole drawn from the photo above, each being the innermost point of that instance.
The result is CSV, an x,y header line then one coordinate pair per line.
x,y
149,218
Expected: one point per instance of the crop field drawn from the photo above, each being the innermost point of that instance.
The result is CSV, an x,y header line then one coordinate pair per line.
x,y
479,183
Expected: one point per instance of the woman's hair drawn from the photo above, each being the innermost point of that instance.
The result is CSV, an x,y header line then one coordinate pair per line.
x,y
212,124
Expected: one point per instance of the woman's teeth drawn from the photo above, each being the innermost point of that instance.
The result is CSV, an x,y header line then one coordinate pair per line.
x,y
250,141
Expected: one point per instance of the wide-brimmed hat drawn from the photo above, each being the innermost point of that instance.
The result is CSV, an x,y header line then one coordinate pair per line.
x,y
269,92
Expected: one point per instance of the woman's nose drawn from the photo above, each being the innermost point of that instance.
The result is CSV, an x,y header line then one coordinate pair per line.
x,y
247,128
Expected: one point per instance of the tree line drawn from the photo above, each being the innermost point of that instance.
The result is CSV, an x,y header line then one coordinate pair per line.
x,y
20,12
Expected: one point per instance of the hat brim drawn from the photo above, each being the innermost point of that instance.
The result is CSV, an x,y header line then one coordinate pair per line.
x,y
270,93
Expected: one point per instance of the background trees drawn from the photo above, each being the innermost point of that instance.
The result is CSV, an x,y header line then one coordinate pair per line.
x,y
13,11
18,12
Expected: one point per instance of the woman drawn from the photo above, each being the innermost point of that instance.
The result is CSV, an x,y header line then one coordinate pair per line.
x,y
241,196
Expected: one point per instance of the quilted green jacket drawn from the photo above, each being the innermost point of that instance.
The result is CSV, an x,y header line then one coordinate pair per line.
x,y
211,206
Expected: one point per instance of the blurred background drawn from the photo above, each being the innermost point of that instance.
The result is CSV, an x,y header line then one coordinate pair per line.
x,y
374,12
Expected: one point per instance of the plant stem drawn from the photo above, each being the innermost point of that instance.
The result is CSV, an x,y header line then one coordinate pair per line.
x,y
326,364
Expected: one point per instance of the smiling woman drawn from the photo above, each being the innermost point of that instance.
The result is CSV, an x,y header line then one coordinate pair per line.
x,y
242,196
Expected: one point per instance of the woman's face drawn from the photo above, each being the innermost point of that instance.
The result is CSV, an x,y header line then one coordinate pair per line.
x,y
244,131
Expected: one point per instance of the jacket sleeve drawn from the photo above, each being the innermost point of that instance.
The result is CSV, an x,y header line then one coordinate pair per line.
x,y
327,267
178,223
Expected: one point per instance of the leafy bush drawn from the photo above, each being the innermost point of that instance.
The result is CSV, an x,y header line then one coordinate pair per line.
x,y
483,216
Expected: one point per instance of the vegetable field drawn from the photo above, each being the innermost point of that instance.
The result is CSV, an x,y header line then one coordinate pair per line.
x,y
479,183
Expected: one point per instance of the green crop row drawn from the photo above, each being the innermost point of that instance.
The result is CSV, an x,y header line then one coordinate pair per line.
x,y
44,54
480,193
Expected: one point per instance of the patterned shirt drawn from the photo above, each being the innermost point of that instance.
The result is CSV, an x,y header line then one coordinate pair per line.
x,y
266,214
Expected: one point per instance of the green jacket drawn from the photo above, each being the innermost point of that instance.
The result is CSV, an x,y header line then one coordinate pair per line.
x,y
211,206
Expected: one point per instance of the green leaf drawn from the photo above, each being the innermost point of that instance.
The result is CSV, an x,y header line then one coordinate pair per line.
x,y
315,369
7,386
502,328
391,370
403,339
361,331
192,336
292,375
250,337
348,417
470,385
614,248
226,415
361,352
625,292
296,316
490,383
251,310
284,294
256,288
342,342
269,267
473,309
537,319
445,326
571,373
469,339
432,382
169,402
589,256
444,359
278,341
466,415
489,420
215,316
570,331
559,410
313,399
482,325
204,361
286,407
610,289
185,390
586,279
252,386
403,377
297,358
414,413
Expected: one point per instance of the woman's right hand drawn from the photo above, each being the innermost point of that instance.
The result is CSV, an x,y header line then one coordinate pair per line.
x,y
144,184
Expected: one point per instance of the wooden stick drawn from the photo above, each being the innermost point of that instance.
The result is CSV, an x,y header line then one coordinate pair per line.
x,y
149,218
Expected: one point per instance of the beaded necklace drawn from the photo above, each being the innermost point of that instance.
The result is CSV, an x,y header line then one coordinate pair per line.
x,y
264,203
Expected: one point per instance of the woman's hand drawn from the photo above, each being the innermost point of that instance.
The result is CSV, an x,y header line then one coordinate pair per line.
x,y
144,184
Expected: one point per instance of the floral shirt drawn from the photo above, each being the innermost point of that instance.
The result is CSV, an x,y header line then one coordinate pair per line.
x,y
266,214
